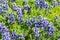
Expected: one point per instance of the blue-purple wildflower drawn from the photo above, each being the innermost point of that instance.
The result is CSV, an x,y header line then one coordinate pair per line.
x,y
27,7
40,18
58,39
5,36
41,1
45,22
5,7
51,28
19,15
36,32
14,35
21,36
33,19
36,23
0,9
1,1
46,6
28,22
14,6
12,0
5,32
58,2
11,17
54,3
37,3
56,18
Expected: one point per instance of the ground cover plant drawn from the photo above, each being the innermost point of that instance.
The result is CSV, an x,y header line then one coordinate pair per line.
x,y
29,19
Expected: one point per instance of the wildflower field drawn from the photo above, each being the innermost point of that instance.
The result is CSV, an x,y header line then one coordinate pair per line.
x,y
29,19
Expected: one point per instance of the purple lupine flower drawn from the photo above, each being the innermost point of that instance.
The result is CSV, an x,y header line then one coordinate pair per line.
x,y
33,18
50,33
21,20
27,7
41,1
5,32
14,6
54,3
12,0
5,36
37,3
5,7
11,17
14,35
21,36
36,23
46,6
0,9
36,32
58,38
51,28
1,1
28,22
19,15
40,18
56,17
58,2
19,12
41,24
3,28
45,22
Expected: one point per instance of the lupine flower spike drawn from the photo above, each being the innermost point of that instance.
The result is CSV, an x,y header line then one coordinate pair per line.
x,y
12,0
54,3
28,22
14,6
1,9
14,35
42,2
58,2
21,36
5,7
19,15
33,19
36,32
5,32
37,3
27,7
46,6
1,1
11,17
36,23
45,22
51,29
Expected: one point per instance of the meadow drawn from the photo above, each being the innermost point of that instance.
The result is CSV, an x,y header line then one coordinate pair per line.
x,y
29,19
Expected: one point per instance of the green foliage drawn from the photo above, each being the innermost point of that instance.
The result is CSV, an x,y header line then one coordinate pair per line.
x,y
21,28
